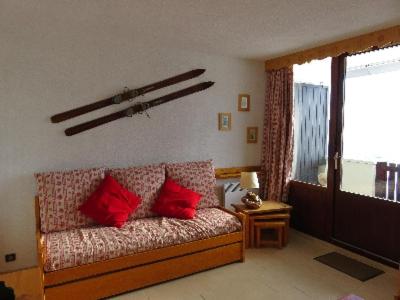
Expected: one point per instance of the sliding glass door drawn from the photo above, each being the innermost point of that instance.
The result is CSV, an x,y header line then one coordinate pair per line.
x,y
308,188
346,171
366,159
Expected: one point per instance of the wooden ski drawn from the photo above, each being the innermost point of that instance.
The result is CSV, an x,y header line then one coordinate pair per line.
x,y
137,108
125,96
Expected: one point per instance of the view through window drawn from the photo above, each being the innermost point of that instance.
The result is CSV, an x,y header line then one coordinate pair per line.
x,y
311,119
371,146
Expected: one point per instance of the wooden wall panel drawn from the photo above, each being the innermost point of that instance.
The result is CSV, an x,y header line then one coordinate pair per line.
x,y
234,172
368,223
310,208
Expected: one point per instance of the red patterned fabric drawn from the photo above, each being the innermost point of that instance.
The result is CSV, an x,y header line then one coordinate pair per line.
x,y
175,201
174,211
111,204
197,176
77,247
60,195
146,182
277,151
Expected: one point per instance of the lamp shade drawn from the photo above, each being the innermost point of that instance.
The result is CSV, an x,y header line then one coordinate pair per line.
x,y
249,180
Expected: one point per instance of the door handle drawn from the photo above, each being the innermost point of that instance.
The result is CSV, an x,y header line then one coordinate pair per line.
x,y
336,159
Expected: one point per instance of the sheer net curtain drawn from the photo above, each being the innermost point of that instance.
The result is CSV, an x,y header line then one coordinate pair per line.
x,y
277,149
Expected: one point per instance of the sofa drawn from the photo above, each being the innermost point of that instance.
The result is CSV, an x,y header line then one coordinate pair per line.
x,y
80,259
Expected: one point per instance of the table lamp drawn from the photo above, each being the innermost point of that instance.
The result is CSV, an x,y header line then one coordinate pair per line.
x,y
249,180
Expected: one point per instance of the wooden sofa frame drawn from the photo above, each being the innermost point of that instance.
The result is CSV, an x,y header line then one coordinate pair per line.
x,y
122,274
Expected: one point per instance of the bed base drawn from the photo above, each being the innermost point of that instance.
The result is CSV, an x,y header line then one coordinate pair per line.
x,y
123,274
137,277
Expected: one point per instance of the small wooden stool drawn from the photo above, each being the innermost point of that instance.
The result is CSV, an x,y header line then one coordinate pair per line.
x,y
279,227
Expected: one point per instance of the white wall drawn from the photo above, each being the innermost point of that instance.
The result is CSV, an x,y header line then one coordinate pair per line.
x,y
47,68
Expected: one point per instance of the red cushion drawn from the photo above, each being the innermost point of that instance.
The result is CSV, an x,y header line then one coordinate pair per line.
x,y
111,204
174,211
176,201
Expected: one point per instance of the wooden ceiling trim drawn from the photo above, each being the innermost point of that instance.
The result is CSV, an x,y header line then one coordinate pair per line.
x,y
360,43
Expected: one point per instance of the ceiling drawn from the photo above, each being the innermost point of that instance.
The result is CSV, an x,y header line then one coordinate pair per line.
x,y
252,29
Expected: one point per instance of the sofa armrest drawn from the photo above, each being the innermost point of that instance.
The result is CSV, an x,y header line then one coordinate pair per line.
x,y
242,218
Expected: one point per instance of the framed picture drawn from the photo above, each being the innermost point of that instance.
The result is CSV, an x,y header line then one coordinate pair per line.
x,y
244,102
252,135
224,121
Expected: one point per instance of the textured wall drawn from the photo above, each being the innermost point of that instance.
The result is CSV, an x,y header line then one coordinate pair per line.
x,y
47,68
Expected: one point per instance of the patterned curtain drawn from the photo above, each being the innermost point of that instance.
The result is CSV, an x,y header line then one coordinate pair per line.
x,y
277,150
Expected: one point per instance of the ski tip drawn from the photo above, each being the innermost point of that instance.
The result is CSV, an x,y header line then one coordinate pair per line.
x,y
68,132
205,84
199,71
55,119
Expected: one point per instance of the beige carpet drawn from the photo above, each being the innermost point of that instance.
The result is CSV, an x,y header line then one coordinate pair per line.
x,y
290,273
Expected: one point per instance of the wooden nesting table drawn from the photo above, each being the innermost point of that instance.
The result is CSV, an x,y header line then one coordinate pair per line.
x,y
268,210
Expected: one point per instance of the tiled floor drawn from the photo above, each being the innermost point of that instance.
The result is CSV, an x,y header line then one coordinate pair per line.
x,y
290,273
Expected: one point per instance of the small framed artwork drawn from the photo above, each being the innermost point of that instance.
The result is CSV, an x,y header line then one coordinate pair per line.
x,y
224,121
252,135
244,102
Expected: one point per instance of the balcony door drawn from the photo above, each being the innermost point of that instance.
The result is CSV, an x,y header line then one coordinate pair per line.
x,y
346,171
365,154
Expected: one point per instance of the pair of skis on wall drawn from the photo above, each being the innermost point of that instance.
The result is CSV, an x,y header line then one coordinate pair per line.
x,y
128,95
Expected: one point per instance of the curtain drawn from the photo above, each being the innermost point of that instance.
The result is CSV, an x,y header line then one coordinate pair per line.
x,y
277,149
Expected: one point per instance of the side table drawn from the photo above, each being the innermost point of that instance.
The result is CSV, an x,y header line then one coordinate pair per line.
x,y
268,210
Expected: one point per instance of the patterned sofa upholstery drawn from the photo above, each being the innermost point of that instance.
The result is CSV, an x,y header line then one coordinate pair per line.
x,y
75,247
74,252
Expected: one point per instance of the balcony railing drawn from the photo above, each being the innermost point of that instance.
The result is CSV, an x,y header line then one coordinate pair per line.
x,y
387,181
381,179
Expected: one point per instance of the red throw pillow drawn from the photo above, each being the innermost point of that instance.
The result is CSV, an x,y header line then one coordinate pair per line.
x,y
174,211
176,201
111,204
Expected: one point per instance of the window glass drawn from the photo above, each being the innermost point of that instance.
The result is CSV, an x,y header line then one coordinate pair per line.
x,y
371,146
311,95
